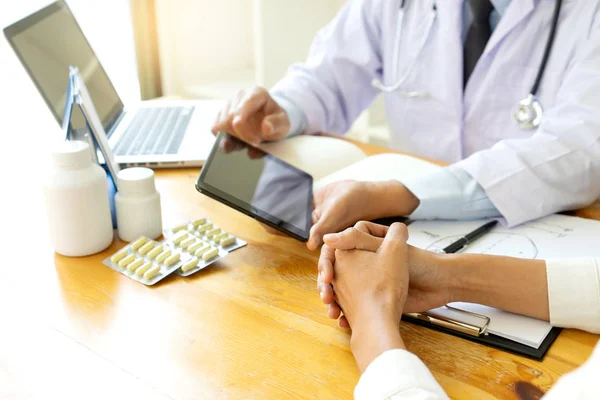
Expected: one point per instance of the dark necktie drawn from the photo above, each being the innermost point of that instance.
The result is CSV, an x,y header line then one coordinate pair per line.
x,y
477,36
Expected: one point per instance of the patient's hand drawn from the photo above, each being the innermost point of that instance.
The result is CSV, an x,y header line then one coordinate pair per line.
x,y
430,279
373,285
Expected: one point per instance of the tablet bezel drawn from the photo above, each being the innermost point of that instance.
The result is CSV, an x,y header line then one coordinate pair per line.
x,y
248,209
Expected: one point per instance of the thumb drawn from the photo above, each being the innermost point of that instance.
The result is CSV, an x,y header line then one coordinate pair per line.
x,y
275,126
395,238
324,225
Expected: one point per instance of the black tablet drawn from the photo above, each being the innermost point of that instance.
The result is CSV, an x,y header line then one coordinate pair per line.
x,y
259,185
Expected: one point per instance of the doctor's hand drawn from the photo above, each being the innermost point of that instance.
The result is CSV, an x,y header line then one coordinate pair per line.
x,y
342,204
431,278
254,117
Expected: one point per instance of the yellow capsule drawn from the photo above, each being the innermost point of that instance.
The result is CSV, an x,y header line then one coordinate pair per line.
x,y
118,256
139,243
178,238
220,236
125,262
197,222
227,241
152,272
195,246
179,228
187,242
189,265
146,248
163,256
202,250
209,255
140,271
172,259
204,228
154,252
213,232
134,265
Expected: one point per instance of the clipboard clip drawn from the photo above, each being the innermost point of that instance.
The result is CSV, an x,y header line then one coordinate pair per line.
x,y
463,327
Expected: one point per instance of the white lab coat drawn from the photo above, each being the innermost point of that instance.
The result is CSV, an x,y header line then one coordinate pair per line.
x,y
526,174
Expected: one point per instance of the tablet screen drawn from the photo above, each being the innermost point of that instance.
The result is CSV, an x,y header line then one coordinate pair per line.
x,y
260,184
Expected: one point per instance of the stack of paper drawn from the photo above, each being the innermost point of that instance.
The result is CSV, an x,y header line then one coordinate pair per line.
x,y
555,236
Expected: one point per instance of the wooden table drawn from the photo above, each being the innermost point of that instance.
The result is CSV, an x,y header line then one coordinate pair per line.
x,y
251,326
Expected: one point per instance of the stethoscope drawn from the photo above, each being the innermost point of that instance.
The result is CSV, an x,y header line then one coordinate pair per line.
x,y
527,112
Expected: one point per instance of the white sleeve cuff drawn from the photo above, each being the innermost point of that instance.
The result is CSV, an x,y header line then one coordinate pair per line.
x,y
398,374
574,293
295,114
450,193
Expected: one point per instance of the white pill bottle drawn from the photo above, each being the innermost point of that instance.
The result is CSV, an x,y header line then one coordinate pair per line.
x,y
77,202
138,205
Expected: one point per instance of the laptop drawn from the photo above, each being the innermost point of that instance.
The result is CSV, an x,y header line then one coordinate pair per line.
x,y
161,133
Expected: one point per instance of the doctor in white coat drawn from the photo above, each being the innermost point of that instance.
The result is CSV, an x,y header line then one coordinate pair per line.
x,y
464,81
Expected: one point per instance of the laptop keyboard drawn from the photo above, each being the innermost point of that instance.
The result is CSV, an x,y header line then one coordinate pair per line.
x,y
154,131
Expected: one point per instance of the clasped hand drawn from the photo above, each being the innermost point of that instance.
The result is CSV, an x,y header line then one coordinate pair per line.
x,y
369,272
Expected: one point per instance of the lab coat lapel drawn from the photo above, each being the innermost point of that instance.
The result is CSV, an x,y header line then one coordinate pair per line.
x,y
516,13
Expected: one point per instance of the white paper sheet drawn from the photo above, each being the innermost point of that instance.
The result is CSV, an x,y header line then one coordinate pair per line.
x,y
381,167
555,236
525,330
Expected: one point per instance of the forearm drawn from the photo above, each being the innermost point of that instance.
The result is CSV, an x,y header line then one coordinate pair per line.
x,y
511,284
372,338
390,199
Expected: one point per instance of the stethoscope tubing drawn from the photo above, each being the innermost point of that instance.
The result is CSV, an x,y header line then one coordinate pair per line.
x,y
401,81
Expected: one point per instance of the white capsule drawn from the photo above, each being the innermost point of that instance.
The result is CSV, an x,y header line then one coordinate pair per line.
x,y
140,271
209,255
152,272
125,262
189,265
139,243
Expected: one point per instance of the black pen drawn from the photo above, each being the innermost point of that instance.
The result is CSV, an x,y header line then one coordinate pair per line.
x,y
469,237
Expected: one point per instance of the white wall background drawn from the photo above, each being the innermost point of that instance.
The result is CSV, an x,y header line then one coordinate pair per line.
x,y
213,49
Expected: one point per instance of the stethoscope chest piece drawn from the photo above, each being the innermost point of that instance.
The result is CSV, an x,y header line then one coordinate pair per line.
x,y
528,112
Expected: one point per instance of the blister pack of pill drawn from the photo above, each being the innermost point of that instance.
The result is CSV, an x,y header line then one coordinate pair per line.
x,y
146,261
202,243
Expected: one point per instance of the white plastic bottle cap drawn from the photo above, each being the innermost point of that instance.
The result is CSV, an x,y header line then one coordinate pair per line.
x,y
72,155
136,181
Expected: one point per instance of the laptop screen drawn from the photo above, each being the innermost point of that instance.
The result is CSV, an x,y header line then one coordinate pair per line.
x,y
47,43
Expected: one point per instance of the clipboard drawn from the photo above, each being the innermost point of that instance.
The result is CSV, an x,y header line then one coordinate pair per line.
x,y
479,333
